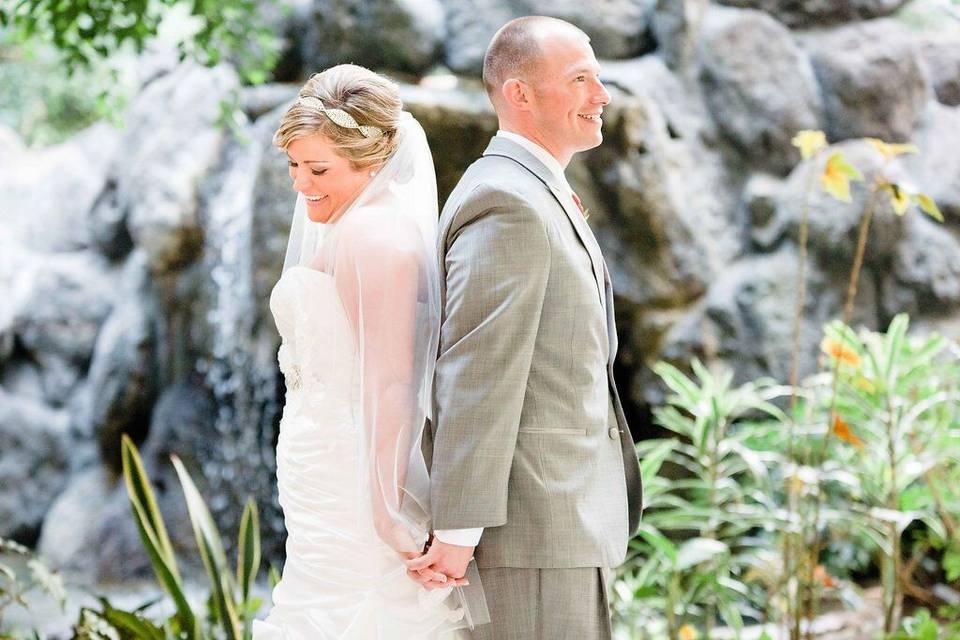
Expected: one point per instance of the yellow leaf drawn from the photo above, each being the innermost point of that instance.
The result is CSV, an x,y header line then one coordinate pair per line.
x,y
888,150
840,352
899,198
688,632
842,430
837,175
809,142
820,575
928,206
864,384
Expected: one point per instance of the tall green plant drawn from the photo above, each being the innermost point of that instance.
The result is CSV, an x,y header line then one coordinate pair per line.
x,y
835,180
896,419
233,606
713,509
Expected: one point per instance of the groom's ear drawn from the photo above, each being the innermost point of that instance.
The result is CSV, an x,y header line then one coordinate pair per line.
x,y
516,94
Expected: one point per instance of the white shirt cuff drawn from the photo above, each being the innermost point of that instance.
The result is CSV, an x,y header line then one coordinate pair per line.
x,y
459,537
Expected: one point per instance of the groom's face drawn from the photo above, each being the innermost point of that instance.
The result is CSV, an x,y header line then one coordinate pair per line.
x,y
568,95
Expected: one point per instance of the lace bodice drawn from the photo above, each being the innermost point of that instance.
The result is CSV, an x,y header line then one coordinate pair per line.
x,y
317,354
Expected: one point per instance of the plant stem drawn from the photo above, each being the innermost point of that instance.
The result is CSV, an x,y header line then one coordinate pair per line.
x,y
789,540
865,218
891,599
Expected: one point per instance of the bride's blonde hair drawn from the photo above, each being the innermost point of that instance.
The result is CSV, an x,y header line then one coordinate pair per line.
x,y
370,99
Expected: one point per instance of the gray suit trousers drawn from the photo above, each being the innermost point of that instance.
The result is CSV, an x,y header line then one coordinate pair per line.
x,y
546,604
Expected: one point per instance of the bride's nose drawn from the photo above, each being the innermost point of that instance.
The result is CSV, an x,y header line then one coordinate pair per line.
x,y
300,179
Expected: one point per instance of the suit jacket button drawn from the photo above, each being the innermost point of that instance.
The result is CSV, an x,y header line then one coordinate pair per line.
x,y
614,433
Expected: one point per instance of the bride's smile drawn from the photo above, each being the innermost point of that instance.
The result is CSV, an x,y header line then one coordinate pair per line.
x,y
328,180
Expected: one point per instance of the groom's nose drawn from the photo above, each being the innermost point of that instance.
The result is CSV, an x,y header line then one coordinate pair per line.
x,y
600,94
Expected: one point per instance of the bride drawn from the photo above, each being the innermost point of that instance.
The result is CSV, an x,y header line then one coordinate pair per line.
x,y
357,309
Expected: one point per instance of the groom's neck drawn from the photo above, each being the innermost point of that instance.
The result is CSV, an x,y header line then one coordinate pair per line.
x,y
536,137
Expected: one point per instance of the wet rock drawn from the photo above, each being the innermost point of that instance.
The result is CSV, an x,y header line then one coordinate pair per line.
x,y
408,35
33,464
808,13
164,159
873,80
759,85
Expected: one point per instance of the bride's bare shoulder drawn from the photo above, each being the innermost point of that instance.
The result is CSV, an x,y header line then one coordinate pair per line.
x,y
381,229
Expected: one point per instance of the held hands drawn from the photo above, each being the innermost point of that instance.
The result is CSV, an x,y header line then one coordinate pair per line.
x,y
441,565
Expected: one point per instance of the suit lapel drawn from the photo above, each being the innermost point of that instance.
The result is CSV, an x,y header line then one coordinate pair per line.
x,y
502,147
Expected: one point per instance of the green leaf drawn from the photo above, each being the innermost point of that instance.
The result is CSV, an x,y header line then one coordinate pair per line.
x,y
837,175
131,623
928,206
809,142
50,582
697,550
248,549
652,459
899,198
951,564
153,534
214,559
141,495
659,542
273,576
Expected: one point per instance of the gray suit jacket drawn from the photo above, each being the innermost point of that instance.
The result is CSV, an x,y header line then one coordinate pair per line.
x,y
529,438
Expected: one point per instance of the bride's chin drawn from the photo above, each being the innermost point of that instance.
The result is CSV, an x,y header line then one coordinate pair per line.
x,y
319,214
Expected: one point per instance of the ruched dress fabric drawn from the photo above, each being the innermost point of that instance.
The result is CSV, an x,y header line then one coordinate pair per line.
x,y
340,580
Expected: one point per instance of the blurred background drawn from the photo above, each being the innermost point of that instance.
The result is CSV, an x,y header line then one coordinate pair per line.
x,y
144,216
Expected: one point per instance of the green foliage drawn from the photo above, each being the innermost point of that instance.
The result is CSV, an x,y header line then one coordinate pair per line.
x,y
22,572
230,608
85,31
922,626
697,540
717,493
45,107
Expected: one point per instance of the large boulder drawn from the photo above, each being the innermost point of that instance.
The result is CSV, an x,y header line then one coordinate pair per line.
x,y
408,34
674,27
833,225
273,200
808,13
617,28
759,85
48,192
664,202
70,535
746,321
182,424
123,377
679,99
926,269
941,54
937,166
873,80
459,124
60,302
34,463
171,143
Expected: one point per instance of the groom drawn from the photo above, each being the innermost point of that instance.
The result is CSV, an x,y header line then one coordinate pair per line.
x,y
534,471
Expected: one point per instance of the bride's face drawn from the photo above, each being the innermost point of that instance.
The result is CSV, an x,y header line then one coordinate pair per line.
x,y
327,180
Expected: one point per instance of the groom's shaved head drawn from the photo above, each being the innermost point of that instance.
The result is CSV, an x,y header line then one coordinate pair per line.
x,y
516,52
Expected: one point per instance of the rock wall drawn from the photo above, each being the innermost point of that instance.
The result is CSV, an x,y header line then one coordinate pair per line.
x,y
136,264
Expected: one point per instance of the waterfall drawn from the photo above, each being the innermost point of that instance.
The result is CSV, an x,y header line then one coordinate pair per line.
x,y
242,464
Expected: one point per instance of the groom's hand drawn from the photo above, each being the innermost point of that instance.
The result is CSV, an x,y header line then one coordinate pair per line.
x,y
450,560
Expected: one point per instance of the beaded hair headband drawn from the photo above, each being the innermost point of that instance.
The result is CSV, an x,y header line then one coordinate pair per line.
x,y
340,117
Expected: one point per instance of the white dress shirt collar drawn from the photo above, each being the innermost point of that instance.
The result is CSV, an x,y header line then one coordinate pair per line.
x,y
539,153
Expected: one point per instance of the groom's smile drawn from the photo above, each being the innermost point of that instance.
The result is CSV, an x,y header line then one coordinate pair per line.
x,y
568,97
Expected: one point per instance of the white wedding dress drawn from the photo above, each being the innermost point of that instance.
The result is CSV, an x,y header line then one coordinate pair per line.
x,y
339,580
